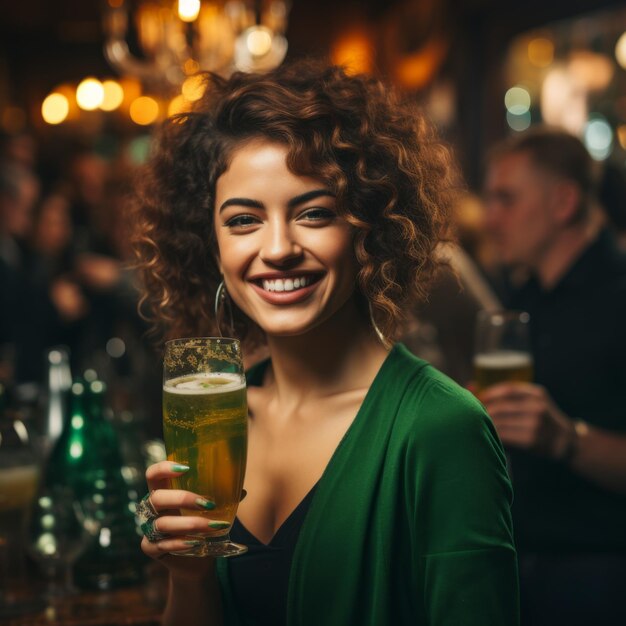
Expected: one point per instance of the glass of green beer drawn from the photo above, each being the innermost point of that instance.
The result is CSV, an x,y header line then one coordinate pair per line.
x,y
502,351
205,426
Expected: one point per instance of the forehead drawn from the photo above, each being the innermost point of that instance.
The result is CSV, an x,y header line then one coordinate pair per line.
x,y
511,168
261,165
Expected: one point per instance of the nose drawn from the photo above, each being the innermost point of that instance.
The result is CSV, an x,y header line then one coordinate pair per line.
x,y
280,246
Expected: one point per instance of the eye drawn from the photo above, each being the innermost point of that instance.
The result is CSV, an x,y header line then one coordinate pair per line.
x,y
317,215
241,222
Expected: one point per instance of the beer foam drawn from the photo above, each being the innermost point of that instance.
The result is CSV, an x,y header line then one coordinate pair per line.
x,y
204,384
503,359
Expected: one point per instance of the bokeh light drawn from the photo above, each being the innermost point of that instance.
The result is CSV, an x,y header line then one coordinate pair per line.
x,y
113,95
89,94
188,10
179,104
144,110
540,52
517,100
54,108
620,50
519,122
621,135
598,137
259,41
354,51
193,88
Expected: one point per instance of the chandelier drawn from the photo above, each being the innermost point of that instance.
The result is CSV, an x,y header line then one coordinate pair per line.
x,y
162,42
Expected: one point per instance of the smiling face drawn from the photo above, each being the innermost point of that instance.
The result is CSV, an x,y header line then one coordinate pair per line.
x,y
286,255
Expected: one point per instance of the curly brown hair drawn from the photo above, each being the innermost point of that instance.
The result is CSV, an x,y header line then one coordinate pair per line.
x,y
392,177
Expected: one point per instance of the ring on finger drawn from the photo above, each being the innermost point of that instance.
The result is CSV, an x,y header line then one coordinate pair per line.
x,y
151,532
145,509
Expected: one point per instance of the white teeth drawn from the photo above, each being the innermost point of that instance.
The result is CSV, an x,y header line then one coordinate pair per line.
x,y
287,284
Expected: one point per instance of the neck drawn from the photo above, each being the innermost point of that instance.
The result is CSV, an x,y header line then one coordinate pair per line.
x,y
341,354
564,251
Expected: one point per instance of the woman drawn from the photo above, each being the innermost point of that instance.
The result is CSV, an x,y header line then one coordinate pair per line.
x,y
376,488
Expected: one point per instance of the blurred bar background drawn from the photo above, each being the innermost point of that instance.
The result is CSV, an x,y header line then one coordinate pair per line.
x,y
84,83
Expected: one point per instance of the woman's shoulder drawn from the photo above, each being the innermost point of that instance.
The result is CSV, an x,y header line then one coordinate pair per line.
x,y
432,402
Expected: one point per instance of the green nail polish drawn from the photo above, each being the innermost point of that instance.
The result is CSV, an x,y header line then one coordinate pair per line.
x,y
194,542
176,467
205,504
218,525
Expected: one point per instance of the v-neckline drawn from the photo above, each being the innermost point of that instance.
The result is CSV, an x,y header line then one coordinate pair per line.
x,y
275,541
255,375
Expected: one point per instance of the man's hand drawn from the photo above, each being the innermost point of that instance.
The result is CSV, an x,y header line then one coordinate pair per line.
x,y
526,417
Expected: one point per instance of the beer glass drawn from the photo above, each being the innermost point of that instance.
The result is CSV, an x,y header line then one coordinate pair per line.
x,y
205,426
502,351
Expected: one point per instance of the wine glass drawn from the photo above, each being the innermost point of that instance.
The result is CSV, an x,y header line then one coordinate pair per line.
x,y
58,533
205,426
502,352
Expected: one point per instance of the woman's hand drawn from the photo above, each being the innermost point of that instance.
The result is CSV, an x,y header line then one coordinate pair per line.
x,y
176,528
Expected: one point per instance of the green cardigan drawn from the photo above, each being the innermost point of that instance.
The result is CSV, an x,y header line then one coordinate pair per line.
x,y
410,521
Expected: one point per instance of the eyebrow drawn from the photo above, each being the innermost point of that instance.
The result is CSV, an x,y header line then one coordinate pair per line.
x,y
295,201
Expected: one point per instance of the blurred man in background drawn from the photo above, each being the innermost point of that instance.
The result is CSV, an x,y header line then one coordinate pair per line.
x,y
566,433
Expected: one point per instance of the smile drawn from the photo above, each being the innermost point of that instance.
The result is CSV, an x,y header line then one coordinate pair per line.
x,y
286,284
282,290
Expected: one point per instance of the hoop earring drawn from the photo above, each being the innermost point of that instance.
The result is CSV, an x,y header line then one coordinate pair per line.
x,y
377,330
220,303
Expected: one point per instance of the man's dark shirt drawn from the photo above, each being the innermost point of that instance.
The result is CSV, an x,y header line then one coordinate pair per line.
x,y
578,337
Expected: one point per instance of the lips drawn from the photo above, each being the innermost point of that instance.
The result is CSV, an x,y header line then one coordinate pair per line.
x,y
285,289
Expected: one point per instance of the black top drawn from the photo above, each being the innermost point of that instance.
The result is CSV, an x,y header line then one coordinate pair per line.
x,y
578,337
260,577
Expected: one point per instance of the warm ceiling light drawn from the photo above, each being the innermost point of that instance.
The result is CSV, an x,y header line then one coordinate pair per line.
x,y
179,104
540,52
188,10
193,88
55,108
259,41
113,95
354,51
89,94
144,110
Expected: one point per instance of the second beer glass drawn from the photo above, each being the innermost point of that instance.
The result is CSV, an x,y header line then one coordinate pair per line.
x,y
205,422
502,351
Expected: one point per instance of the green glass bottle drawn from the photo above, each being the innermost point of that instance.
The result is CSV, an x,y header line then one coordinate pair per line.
x,y
87,460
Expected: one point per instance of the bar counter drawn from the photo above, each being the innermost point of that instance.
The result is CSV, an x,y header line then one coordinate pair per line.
x,y
138,605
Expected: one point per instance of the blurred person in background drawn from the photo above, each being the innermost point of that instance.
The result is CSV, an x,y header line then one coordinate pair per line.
x,y
566,432
19,190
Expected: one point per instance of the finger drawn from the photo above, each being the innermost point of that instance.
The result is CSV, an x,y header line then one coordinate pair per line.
x,y
172,499
525,405
514,422
510,389
159,475
189,525
161,549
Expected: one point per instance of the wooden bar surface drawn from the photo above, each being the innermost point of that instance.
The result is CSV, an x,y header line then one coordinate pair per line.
x,y
138,605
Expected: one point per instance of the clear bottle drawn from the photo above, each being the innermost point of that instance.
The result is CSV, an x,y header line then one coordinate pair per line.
x,y
56,410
